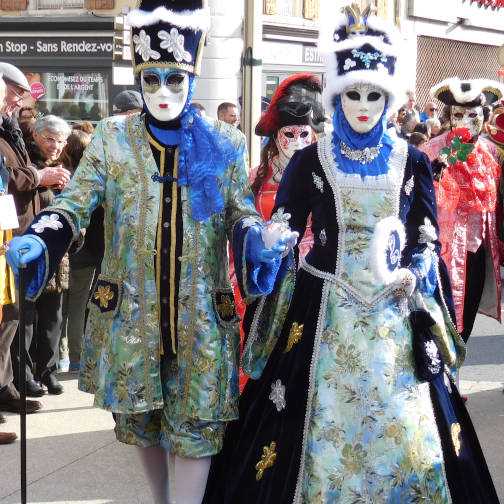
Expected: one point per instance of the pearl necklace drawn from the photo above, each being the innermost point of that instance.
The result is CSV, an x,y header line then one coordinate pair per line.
x,y
364,156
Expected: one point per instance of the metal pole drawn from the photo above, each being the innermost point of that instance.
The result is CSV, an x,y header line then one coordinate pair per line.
x,y
252,77
22,375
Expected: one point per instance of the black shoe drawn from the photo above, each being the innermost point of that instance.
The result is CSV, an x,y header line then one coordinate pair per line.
x,y
52,384
33,389
14,406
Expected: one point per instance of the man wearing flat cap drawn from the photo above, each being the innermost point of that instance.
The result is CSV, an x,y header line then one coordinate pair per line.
x,y
24,181
127,102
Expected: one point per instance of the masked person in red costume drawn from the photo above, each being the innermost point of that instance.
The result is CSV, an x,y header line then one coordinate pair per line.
x,y
468,199
291,122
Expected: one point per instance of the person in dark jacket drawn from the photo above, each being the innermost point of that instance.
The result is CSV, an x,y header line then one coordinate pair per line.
x,y
44,317
24,181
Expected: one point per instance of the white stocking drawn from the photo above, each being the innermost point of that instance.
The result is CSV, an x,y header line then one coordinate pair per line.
x,y
190,479
155,463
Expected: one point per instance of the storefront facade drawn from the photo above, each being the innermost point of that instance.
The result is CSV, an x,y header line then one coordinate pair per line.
x,y
453,38
68,68
289,43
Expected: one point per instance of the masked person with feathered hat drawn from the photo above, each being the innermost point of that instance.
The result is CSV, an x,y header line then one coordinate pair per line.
x,y
162,342
351,358
467,199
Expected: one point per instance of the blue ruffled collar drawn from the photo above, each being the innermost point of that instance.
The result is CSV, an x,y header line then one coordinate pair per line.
x,y
343,132
204,153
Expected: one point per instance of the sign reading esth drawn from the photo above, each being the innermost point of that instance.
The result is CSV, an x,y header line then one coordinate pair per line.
x,y
45,46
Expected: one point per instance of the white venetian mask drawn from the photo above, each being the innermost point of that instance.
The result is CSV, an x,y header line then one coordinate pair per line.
x,y
293,138
165,92
471,118
363,106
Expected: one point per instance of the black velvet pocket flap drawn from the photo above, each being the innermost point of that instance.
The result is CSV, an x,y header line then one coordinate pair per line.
x,y
106,296
224,306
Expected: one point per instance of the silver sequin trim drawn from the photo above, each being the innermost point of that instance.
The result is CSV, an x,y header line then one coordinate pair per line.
x,y
364,156
252,337
311,387
319,183
277,395
249,222
392,182
408,187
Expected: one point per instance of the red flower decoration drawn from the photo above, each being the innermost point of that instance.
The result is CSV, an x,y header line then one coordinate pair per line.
x,y
472,160
463,133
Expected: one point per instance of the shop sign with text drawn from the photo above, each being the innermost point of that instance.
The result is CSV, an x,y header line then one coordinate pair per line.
x,y
49,47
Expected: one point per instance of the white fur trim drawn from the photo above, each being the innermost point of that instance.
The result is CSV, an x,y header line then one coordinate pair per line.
x,y
393,85
193,19
477,86
331,19
379,247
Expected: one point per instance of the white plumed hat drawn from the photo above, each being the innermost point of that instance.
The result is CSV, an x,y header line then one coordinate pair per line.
x,y
359,47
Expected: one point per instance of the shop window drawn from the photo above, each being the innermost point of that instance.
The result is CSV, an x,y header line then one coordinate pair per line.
x,y
60,4
99,4
73,96
272,82
270,7
293,8
14,5
311,9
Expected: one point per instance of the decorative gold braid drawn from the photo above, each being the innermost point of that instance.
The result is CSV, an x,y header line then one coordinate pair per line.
x,y
173,243
493,90
441,90
141,232
354,10
455,435
295,334
267,459
191,332
162,158
104,295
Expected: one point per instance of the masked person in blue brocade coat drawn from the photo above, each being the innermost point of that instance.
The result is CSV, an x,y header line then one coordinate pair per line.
x,y
162,340
351,358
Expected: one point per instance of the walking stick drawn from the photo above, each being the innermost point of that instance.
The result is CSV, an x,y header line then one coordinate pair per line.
x,y
22,375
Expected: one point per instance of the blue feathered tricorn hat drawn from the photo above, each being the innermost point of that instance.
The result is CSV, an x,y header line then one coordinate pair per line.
x,y
168,34
359,47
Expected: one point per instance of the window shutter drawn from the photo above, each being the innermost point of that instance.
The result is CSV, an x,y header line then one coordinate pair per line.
x,y
270,7
14,5
98,4
311,9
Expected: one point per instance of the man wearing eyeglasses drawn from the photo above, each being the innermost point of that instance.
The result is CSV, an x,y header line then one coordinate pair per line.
x,y
24,182
430,111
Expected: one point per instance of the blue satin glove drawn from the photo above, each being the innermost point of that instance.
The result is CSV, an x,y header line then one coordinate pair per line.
x,y
23,249
256,252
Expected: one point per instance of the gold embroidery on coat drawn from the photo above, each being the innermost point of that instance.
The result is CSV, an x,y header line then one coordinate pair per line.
x,y
294,336
455,434
104,294
226,308
141,240
267,460
193,321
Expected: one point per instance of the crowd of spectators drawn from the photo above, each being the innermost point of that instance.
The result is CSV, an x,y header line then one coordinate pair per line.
x,y
415,127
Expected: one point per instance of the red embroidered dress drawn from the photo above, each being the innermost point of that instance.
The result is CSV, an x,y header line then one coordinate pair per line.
x,y
467,220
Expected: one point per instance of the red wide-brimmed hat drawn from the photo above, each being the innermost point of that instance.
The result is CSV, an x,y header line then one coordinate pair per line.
x,y
296,101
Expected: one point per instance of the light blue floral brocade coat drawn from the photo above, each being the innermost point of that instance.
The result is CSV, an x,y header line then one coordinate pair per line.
x,y
121,349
